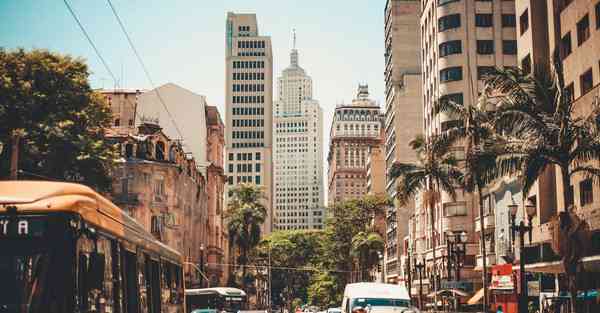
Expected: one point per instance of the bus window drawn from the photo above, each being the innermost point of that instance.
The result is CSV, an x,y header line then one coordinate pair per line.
x,y
99,297
130,269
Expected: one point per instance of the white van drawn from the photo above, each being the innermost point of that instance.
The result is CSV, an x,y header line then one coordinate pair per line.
x,y
376,298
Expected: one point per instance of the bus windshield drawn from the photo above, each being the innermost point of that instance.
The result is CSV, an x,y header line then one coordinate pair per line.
x,y
365,302
215,302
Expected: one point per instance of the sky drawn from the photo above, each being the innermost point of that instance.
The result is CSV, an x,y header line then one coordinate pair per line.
x,y
341,42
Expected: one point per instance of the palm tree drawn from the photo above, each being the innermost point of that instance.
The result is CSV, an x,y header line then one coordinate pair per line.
x,y
246,215
474,128
537,114
366,247
435,166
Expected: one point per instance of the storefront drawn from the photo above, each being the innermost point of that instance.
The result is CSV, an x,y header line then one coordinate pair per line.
x,y
503,291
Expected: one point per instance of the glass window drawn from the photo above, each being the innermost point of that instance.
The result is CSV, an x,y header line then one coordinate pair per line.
x,y
509,20
565,45
485,71
448,22
586,81
509,47
586,192
450,47
451,74
455,209
484,20
583,30
257,167
485,46
454,97
524,21
257,180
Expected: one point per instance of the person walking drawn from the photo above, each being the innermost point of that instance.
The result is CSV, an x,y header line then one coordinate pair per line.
x,y
499,309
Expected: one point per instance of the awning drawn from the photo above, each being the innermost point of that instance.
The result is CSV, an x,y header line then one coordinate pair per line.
x,y
454,292
476,298
590,264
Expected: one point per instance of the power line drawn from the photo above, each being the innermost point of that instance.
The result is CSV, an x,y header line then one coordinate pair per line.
x,y
146,72
90,41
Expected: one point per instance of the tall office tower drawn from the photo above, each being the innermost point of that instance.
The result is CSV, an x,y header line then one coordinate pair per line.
x,y
249,102
298,156
403,116
461,41
355,129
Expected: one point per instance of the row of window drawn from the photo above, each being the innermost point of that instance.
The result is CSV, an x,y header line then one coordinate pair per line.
x,y
248,99
245,168
248,134
251,44
248,111
249,76
248,87
248,144
245,156
251,54
481,20
509,47
248,123
244,28
244,179
248,64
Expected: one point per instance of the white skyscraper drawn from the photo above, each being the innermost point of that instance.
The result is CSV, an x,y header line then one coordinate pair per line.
x,y
298,157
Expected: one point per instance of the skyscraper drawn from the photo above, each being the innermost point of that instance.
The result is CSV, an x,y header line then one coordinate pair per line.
x,y
298,160
249,102
356,127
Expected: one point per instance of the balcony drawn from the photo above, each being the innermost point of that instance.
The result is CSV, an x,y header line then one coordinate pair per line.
x,y
489,223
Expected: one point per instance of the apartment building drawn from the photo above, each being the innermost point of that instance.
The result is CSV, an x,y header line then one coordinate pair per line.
x,y
461,42
249,103
403,115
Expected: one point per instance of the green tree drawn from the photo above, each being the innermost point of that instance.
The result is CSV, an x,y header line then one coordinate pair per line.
x,y
326,290
366,248
46,98
473,127
436,170
544,131
293,255
246,215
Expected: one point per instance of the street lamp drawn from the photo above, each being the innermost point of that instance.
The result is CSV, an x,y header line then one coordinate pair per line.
x,y
408,272
419,266
457,249
202,257
530,209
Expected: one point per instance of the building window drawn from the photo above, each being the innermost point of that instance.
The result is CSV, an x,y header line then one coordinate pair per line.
x,y
117,122
586,192
586,81
231,157
485,71
526,64
442,2
450,47
453,97
565,45
257,167
257,180
451,74
257,156
485,46
230,168
569,93
509,20
597,9
455,209
509,47
524,21
448,22
583,30
484,20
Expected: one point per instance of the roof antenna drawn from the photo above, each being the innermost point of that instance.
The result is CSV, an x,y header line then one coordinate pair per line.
x,y
294,36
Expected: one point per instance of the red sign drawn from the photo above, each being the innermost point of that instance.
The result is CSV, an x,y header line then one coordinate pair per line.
x,y
502,277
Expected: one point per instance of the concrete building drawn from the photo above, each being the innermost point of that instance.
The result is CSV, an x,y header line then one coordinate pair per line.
x,y
461,41
249,103
298,152
355,129
403,115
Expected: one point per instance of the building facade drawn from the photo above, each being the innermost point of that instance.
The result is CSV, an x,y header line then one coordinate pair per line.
x,y
403,116
461,41
298,152
356,127
249,103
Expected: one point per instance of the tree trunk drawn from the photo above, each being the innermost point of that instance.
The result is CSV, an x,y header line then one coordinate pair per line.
x,y
483,251
433,245
571,277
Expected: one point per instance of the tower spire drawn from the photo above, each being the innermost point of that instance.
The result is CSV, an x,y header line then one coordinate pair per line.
x,y
294,36
294,53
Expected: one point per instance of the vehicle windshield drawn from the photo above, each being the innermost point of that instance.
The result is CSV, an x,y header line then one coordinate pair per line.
x,y
365,302
23,279
216,302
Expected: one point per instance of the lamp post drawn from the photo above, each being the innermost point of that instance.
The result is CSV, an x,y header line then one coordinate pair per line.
x,y
419,266
408,273
522,229
202,258
457,250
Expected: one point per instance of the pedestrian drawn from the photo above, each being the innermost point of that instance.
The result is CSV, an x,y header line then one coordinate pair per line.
x,y
499,309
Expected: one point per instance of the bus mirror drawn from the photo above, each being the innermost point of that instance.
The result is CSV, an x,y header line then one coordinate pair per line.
x,y
95,275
